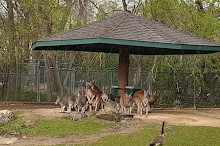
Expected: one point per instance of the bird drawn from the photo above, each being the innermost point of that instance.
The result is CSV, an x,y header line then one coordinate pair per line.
x,y
159,140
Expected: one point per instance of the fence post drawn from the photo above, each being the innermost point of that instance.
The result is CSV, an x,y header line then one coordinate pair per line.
x,y
111,81
38,81
194,96
73,81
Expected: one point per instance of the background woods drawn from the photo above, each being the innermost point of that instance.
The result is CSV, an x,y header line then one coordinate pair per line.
x,y
26,73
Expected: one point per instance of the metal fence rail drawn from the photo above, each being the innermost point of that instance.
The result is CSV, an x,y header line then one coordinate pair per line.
x,y
172,88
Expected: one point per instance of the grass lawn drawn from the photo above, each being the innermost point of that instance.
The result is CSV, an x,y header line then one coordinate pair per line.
x,y
89,125
174,136
65,126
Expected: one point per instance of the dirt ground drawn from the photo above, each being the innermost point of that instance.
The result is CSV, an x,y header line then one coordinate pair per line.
x,y
198,117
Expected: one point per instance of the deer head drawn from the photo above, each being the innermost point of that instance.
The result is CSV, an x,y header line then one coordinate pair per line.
x,y
151,98
104,97
58,100
89,85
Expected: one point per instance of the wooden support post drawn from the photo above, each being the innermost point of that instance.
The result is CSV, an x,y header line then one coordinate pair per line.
x,y
123,70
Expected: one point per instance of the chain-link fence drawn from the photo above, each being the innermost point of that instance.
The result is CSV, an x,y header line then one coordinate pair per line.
x,y
172,88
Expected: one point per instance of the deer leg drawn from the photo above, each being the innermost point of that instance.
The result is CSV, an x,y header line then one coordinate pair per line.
x,y
122,109
125,110
78,109
90,108
147,109
69,108
83,110
130,109
141,111
87,105
96,106
138,110
62,109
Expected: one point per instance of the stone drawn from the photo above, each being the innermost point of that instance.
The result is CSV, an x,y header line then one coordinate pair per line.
x,y
30,123
74,116
110,115
7,140
5,116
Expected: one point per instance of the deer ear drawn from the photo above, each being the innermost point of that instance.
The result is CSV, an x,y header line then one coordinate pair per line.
x,y
154,93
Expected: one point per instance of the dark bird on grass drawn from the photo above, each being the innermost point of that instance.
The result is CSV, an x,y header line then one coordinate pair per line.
x,y
159,140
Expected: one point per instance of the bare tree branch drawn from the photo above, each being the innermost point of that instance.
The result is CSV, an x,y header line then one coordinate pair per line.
x,y
135,8
15,7
96,6
3,6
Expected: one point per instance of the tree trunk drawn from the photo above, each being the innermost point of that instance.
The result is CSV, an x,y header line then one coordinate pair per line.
x,y
124,5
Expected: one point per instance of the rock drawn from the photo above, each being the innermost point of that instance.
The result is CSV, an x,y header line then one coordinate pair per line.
x,y
5,116
30,123
74,116
123,121
92,113
111,115
6,140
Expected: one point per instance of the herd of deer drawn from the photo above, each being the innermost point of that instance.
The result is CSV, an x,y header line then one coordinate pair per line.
x,y
90,96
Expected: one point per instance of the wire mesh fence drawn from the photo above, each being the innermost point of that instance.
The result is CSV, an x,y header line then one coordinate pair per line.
x,y
173,89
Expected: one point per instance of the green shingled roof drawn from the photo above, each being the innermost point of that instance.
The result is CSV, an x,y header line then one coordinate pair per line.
x,y
140,35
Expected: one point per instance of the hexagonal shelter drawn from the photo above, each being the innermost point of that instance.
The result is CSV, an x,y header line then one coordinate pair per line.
x,y
126,33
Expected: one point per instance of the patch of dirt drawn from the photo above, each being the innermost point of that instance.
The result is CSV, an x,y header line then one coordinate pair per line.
x,y
199,117
188,117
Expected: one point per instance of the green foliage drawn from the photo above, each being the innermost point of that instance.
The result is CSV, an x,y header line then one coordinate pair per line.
x,y
30,96
106,9
184,16
174,135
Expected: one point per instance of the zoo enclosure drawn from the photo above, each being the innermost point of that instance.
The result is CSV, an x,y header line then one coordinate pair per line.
x,y
173,88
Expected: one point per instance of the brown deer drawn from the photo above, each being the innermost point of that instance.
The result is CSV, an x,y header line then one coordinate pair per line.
x,y
106,96
111,105
81,100
68,102
143,99
126,101
94,95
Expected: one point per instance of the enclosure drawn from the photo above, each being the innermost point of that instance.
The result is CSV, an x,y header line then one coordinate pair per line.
x,y
173,88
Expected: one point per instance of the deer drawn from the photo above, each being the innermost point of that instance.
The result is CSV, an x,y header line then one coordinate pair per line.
x,y
68,102
111,105
81,101
105,97
143,99
126,101
93,94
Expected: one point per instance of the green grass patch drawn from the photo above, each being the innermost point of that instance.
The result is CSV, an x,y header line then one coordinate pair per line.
x,y
174,136
17,124
65,126
14,125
